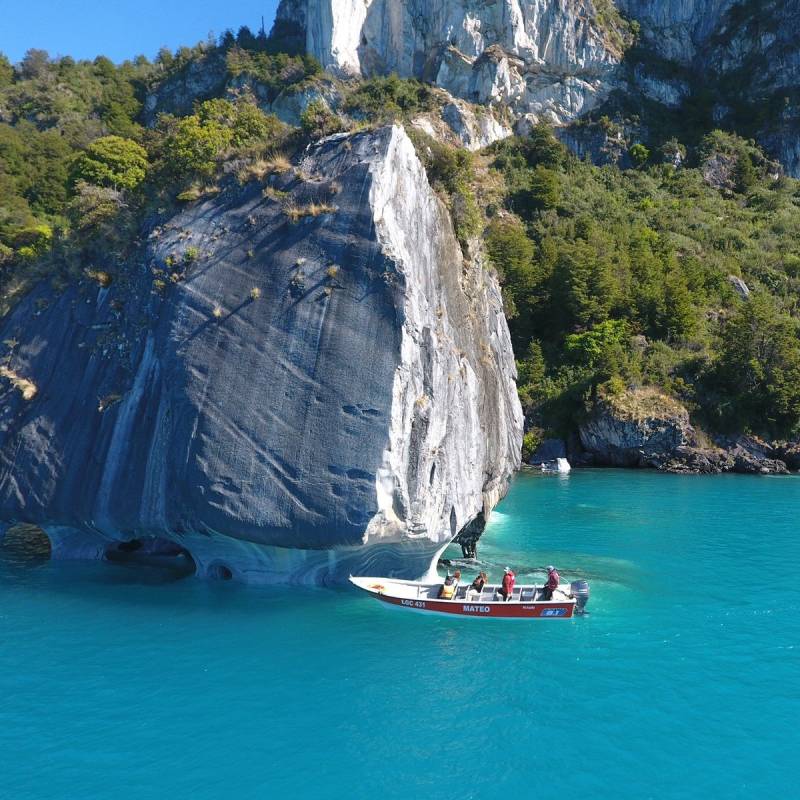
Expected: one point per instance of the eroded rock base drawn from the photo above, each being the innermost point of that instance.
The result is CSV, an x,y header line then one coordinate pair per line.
x,y
219,557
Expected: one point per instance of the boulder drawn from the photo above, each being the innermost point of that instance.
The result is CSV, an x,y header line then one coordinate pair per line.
x,y
741,288
718,171
789,453
639,427
752,455
290,385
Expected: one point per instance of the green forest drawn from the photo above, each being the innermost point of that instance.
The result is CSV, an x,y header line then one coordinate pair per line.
x,y
681,271
629,277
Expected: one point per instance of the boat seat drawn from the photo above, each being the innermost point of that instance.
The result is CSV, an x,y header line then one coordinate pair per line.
x,y
527,595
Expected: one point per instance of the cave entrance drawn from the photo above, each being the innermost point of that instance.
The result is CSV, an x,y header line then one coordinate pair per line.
x,y
26,543
220,572
152,552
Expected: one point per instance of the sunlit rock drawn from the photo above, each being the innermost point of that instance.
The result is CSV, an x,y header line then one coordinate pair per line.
x,y
551,57
309,380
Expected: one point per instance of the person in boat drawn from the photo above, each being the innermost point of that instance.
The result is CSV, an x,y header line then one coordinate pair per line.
x,y
476,587
553,579
507,587
448,588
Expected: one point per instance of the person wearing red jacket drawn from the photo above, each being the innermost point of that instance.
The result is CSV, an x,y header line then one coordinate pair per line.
x,y
508,584
553,579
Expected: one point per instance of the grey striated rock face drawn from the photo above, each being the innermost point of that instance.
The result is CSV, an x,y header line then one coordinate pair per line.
x,y
645,428
640,428
460,124
474,130
551,60
202,79
677,29
747,52
354,417
548,57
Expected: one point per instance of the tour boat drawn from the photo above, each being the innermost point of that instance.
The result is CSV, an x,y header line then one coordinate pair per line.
x,y
526,601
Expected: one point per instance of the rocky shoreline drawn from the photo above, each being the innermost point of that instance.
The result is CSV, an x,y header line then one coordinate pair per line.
x,y
643,428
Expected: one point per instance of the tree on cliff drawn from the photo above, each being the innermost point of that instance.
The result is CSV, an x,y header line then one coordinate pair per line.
x,y
113,161
512,254
759,368
192,145
6,71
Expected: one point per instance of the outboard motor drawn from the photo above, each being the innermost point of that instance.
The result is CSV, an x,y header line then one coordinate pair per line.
x,y
580,591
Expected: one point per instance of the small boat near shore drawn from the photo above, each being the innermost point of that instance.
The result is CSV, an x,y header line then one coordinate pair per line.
x,y
559,466
526,601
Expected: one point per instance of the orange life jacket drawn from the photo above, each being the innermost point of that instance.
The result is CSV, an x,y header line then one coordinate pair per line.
x,y
448,591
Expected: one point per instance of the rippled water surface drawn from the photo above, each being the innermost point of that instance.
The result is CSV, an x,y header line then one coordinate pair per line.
x,y
683,682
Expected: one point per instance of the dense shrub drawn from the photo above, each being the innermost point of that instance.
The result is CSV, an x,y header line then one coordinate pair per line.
x,y
450,171
6,71
192,145
33,241
246,121
275,72
113,161
101,219
512,252
758,372
389,97
639,154
317,120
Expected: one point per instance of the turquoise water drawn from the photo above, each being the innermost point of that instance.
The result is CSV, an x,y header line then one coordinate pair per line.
x,y
682,683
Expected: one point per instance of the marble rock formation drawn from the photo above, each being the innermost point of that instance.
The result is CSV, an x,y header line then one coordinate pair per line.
x,y
290,383
550,58
556,60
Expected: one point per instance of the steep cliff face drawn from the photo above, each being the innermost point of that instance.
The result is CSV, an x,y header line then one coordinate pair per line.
x,y
556,60
290,389
548,57
677,30
745,55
